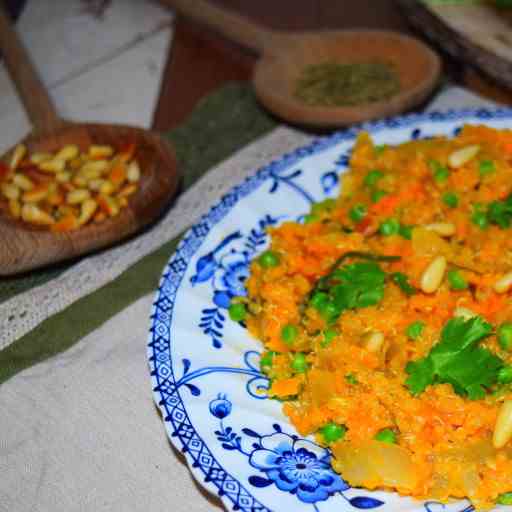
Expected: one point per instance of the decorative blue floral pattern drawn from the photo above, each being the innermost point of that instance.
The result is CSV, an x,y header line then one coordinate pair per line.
x,y
226,268
297,466
171,356
294,465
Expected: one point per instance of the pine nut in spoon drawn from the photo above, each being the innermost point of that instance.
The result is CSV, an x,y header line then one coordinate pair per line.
x,y
55,143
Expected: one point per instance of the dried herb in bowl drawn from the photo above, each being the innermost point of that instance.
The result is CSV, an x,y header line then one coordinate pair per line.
x,y
335,84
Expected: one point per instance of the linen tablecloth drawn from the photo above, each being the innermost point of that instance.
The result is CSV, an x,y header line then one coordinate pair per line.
x,y
78,429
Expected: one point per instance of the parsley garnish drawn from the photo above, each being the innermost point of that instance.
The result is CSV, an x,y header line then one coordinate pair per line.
x,y
458,360
402,281
500,213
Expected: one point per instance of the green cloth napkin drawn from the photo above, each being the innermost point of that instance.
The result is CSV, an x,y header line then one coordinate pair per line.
x,y
223,122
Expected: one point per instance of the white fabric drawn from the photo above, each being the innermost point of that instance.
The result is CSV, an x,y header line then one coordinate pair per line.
x,y
79,432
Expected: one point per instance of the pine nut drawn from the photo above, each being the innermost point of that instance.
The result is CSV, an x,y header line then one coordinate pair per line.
x,y
374,341
22,182
96,151
442,228
67,153
90,174
107,188
95,184
503,284
63,177
97,165
133,172
37,158
34,214
89,207
19,152
127,191
77,196
466,313
35,195
432,276
463,156
10,191
52,165
15,208
503,428
79,181
109,205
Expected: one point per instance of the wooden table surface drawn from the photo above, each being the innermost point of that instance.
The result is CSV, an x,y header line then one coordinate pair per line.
x,y
201,61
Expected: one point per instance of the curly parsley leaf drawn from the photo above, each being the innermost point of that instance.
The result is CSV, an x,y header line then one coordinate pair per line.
x,y
402,281
457,360
500,213
360,285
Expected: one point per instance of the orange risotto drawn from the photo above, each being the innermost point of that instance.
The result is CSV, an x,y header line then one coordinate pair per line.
x,y
386,318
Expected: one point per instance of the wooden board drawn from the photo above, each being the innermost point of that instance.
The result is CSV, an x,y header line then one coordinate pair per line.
x,y
479,35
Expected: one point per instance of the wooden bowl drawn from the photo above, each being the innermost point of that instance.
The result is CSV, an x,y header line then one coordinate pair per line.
x,y
277,72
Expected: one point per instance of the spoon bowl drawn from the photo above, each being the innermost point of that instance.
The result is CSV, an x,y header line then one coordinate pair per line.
x,y
285,54
25,246
276,74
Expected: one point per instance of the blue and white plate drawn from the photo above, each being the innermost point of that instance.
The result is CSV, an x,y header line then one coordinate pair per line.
x,y
205,368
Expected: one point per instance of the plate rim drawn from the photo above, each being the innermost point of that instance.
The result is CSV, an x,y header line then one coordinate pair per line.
x,y
191,243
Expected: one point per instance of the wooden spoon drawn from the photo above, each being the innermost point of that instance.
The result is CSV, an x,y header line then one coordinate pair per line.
x,y
23,246
286,54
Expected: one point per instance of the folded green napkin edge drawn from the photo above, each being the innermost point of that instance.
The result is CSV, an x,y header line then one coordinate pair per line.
x,y
223,122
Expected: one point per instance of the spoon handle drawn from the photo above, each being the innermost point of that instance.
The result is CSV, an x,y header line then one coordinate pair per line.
x,y
31,90
232,26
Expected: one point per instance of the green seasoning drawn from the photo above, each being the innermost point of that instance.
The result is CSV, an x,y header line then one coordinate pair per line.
x,y
333,84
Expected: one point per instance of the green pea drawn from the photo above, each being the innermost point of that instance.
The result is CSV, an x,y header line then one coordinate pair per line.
x,y
405,232
505,336
237,312
505,498
373,177
377,195
351,379
358,212
329,335
479,218
299,363
310,217
451,199
267,360
456,280
390,227
415,330
319,299
486,167
333,432
289,333
386,435
505,375
440,172
269,259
